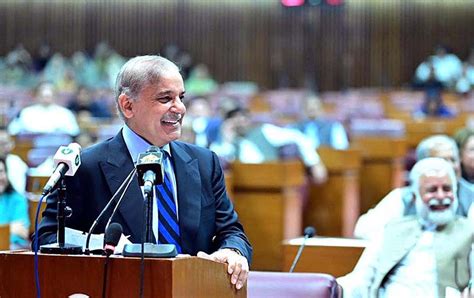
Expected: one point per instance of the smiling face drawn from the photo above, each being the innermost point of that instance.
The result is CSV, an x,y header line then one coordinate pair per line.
x,y
157,112
436,202
437,187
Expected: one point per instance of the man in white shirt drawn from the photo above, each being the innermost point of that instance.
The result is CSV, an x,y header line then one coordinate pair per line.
x,y
241,140
400,201
45,116
419,255
320,130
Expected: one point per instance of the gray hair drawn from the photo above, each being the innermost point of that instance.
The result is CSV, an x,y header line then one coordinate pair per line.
x,y
424,148
430,164
138,72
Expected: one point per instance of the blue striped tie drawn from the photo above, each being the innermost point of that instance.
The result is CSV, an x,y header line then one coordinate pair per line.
x,y
168,227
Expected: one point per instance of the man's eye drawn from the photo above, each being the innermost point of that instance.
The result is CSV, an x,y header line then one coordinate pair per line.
x,y
447,188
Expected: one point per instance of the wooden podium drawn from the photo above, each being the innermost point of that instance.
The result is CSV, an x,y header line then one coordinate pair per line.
x,y
269,202
333,207
64,275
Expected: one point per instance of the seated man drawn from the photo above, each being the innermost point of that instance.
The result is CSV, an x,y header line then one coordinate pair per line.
x,y
419,255
400,201
242,141
45,116
320,130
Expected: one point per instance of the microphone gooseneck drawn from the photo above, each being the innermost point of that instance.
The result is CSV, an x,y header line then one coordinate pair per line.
x,y
309,232
125,183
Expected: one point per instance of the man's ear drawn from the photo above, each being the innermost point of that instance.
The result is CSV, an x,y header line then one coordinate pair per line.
x,y
125,105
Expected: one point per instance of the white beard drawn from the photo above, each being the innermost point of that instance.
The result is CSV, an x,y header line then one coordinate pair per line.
x,y
438,218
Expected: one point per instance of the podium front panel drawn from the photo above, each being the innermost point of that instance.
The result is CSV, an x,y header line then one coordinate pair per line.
x,y
62,276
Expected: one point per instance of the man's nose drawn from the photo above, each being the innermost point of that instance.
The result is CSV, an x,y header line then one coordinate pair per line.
x,y
178,106
440,193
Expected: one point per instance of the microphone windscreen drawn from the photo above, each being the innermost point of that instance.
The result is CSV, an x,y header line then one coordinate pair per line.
x,y
113,234
309,231
153,149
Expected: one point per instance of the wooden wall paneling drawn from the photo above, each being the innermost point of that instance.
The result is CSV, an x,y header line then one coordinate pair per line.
x,y
363,43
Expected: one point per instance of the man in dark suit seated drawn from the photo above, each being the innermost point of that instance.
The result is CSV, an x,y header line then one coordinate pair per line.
x,y
149,93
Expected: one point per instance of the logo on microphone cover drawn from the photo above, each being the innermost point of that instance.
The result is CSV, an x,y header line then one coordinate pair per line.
x,y
150,158
66,150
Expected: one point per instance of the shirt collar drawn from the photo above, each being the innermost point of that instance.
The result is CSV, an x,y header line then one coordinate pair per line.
x,y
136,144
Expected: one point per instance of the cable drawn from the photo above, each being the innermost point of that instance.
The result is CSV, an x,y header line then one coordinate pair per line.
x,y
36,258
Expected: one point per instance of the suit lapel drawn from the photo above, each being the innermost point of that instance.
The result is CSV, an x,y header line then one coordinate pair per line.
x,y
188,182
116,169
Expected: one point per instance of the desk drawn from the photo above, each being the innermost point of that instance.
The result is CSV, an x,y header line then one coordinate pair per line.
x,y
335,256
333,207
383,167
417,130
269,202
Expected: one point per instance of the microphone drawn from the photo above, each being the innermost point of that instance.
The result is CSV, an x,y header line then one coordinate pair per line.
x,y
66,161
308,233
112,238
149,169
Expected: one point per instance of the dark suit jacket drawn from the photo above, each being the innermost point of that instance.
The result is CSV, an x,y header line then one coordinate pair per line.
x,y
207,218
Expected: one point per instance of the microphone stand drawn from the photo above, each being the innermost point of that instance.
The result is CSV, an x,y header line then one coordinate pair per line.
x,y
147,248
149,215
62,213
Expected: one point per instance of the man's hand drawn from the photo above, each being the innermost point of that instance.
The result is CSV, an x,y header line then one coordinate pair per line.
x,y
319,173
238,267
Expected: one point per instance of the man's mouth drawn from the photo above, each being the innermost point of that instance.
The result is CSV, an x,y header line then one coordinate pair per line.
x,y
439,205
172,120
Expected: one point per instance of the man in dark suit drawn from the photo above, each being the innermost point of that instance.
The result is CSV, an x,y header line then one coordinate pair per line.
x,y
149,93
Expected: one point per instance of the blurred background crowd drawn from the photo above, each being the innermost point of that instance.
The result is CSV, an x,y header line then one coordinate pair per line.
x,y
307,80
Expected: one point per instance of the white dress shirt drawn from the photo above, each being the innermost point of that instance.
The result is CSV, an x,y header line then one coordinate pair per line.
x,y
415,275
45,119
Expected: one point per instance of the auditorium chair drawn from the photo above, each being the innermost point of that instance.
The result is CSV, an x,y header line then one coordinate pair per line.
x,y
288,285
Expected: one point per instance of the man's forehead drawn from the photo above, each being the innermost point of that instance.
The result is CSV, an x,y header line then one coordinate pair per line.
x,y
435,175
